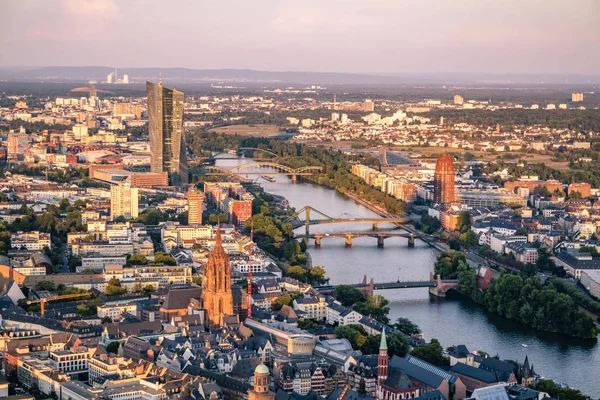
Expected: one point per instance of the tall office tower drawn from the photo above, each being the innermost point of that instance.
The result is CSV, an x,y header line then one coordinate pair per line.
x,y
16,144
168,152
458,99
443,181
123,201
368,105
93,91
126,79
216,285
195,205
109,77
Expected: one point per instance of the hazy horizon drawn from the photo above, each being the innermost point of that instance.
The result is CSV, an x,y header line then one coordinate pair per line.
x,y
381,37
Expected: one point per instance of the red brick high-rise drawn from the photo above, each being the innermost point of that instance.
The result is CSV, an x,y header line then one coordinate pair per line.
x,y
443,181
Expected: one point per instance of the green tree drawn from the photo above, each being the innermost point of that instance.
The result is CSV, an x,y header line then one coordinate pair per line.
x,y
463,224
148,289
106,320
432,352
406,326
137,259
297,272
347,295
163,258
284,300
44,285
557,392
113,347
316,275
307,324
376,306
468,238
521,231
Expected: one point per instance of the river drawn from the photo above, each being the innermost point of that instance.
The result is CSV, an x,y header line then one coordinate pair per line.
x,y
452,320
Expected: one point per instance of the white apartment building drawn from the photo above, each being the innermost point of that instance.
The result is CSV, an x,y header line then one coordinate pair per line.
x,y
30,240
123,201
74,362
314,307
97,262
337,313
114,311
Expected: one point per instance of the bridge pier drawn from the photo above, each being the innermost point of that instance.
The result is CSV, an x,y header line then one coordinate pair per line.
x,y
294,178
411,241
380,241
317,241
375,227
348,241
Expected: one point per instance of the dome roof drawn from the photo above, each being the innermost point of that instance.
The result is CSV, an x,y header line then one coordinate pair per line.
x,y
262,369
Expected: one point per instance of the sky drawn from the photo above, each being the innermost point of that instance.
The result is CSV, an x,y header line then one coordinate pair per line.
x,y
361,36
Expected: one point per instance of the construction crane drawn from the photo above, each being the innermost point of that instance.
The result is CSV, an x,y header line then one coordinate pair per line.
x,y
52,298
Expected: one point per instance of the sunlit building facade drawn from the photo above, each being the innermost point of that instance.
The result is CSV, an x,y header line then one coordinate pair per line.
x,y
443,181
167,140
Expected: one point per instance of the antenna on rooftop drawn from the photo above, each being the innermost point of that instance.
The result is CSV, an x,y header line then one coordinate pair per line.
x,y
160,79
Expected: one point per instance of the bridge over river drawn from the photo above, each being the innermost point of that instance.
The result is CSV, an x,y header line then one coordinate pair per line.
x,y
436,285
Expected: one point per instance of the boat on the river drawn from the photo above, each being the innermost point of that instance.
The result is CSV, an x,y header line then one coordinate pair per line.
x,y
523,344
268,178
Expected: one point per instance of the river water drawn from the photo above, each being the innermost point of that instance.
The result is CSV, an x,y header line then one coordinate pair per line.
x,y
452,320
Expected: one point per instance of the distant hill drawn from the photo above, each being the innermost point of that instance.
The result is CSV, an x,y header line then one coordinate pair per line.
x,y
183,75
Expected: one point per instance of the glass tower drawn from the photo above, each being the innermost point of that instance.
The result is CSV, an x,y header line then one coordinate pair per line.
x,y
167,141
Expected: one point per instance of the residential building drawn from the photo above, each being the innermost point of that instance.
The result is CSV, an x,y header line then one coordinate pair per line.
x,y
33,240
196,201
73,362
123,201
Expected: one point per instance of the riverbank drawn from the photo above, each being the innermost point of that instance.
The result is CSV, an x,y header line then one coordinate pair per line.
x,y
453,320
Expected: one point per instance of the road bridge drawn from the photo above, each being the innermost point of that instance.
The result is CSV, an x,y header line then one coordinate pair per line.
x,y
436,285
307,211
379,235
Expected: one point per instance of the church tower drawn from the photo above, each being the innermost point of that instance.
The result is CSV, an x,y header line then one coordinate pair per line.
x,y
261,385
382,360
216,286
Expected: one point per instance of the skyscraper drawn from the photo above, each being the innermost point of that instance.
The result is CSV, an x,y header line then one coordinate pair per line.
x,y
167,142
216,285
443,180
123,201
195,205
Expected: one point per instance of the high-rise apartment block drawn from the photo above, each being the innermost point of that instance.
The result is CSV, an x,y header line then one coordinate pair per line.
x,y
443,181
369,106
168,152
241,211
577,97
123,201
458,99
195,205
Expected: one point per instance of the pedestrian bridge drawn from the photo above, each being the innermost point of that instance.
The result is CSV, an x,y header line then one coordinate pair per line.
x,y
436,285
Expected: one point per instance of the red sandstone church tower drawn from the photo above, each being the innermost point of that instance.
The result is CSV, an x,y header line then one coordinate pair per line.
x,y
216,286
443,181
